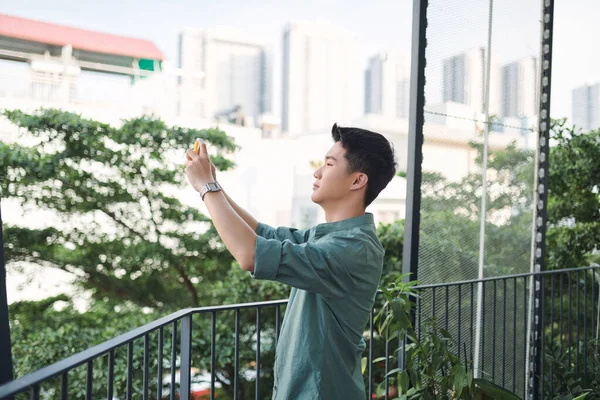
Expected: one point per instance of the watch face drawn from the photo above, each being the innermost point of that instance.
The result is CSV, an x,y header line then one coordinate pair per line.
x,y
213,186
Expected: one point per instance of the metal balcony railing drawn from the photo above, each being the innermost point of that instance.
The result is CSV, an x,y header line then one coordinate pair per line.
x,y
570,318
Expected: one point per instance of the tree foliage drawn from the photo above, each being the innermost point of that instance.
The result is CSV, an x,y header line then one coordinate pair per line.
x,y
119,227
574,202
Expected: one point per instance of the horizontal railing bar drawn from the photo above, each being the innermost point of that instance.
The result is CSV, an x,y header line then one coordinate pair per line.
x,y
499,278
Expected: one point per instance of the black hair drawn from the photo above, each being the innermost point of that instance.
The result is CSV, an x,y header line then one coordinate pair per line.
x,y
370,153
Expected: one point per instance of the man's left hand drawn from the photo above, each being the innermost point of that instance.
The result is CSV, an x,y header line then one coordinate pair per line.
x,y
198,167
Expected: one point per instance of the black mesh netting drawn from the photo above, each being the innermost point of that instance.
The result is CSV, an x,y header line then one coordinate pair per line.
x,y
458,110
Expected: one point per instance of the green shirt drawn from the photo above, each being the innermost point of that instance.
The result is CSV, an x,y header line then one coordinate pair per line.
x,y
334,270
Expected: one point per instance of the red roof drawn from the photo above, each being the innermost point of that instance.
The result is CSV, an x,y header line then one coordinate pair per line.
x,y
60,35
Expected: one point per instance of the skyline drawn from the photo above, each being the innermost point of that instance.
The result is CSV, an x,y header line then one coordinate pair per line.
x,y
380,26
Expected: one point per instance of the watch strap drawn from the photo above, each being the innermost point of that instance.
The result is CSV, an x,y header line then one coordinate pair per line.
x,y
209,187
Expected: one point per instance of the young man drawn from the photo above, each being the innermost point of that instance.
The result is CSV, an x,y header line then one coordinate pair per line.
x,y
334,268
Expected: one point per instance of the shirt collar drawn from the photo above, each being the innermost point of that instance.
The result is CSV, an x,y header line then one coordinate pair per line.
x,y
328,227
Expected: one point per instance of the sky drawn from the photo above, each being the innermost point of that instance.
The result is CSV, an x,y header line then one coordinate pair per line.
x,y
379,24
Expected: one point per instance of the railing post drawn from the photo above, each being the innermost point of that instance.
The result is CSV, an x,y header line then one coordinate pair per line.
x,y
410,254
6,367
185,367
416,119
536,353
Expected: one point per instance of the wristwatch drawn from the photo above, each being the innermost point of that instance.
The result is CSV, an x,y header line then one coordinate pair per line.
x,y
210,187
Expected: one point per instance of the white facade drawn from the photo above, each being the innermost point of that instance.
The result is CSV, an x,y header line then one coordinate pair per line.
x,y
321,77
236,72
387,85
464,80
586,107
519,88
104,96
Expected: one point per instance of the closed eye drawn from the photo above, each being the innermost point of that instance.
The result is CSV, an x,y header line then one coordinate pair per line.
x,y
329,164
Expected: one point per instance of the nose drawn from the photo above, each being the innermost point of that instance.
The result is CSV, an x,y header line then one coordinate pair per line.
x,y
317,173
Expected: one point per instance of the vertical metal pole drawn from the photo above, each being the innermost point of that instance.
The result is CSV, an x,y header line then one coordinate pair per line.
x,y
257,386
185,368
537,328
111,375
64,387
173,388
236,365
529,317
159,374
6,367
370,359
416,119
146,377
598,310
387,360
129,388
213,354
482,220
89,380
585,338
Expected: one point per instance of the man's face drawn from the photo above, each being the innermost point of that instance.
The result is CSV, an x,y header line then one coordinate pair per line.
x,y
333,179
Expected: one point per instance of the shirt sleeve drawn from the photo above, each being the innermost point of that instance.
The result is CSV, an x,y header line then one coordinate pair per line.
x,y
315,267
295,236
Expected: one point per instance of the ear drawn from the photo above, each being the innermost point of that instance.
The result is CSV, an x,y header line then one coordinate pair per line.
x,y
360,181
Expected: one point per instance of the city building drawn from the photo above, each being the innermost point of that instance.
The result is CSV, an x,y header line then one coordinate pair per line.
x,y
519,88
586,107
321,76
463,80
236,75
387,83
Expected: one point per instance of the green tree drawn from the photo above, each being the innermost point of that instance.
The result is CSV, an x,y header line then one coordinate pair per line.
x,y
450,219
139,243
123,235
573,235
574,200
